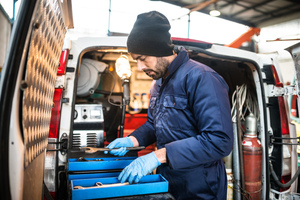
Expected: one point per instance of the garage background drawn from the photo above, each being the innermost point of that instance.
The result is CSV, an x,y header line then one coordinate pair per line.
x,y
276,23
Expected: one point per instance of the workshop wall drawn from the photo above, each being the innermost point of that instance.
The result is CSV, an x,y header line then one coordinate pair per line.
x,y
276,38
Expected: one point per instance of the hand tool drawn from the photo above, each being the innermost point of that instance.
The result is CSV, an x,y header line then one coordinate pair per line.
x,y
94,149
100,185
85,160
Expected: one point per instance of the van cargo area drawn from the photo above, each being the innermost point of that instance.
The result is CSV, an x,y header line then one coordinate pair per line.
x,y
63,100
98,90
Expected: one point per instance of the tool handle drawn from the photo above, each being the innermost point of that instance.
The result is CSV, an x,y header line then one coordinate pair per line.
x,y
127,148
93,149
134,148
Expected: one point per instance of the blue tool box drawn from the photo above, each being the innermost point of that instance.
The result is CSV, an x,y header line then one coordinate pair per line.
x,y
99,163
93,175
148,185
106,170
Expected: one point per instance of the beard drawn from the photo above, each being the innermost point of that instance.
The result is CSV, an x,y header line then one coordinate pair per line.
x,y
161,69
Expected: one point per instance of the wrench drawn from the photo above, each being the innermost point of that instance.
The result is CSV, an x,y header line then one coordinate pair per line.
x,y
100,185
94,149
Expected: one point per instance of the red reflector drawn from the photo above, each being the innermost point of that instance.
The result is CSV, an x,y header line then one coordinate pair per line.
x,y
55,116
285,179
283,117
63,62
276,77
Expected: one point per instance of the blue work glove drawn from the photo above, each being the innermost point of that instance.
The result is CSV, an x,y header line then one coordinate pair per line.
x,y
120,142
138,168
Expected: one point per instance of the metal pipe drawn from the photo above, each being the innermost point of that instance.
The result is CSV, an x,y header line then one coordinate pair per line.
x,y
239,135
109,13
189,24
123,119
236,164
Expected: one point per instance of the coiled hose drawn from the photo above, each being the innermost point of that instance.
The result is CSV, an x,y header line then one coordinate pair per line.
x,y
285,185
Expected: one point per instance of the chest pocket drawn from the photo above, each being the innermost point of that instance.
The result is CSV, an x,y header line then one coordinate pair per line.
x,y
175,102
175,112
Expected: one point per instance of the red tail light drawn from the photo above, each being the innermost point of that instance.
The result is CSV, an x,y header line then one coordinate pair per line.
x,y
63,62
286,176
283,117
50,172
282,109
55,116
57,99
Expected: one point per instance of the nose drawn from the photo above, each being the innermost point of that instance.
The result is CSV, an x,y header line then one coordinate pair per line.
x,y
141,65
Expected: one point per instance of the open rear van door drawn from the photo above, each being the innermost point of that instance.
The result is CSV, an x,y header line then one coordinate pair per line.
x,y
295,52
26,95
294,101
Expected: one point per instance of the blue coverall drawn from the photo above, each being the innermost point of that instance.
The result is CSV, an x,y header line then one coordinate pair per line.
x,y
189,115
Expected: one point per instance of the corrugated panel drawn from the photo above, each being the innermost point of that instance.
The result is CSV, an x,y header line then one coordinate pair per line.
x,y
42,63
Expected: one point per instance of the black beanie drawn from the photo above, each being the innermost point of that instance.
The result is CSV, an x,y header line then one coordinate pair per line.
x,y
150,35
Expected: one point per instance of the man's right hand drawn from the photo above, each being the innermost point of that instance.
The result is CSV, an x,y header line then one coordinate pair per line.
x,y
122,143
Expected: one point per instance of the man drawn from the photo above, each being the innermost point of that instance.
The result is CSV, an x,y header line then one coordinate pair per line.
x,y
188,116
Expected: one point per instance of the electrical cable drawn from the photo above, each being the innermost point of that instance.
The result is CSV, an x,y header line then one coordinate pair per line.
x,y
247,102
281,138
243,101
281,143
285,185
109,97
284,143
107,93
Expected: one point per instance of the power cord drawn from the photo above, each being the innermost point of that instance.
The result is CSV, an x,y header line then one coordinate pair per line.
x,y
109,97
288,184
246,101
284,143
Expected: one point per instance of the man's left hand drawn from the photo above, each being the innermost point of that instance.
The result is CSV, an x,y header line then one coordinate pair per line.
x,y
138,168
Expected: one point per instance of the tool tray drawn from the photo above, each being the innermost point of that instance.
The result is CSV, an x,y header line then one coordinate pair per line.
x,y
148,185
109,163
106,170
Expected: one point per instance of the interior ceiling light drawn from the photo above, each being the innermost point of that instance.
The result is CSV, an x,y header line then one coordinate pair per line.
x,y
215,13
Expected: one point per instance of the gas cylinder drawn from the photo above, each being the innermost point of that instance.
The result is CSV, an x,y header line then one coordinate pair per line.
x,y
252,158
